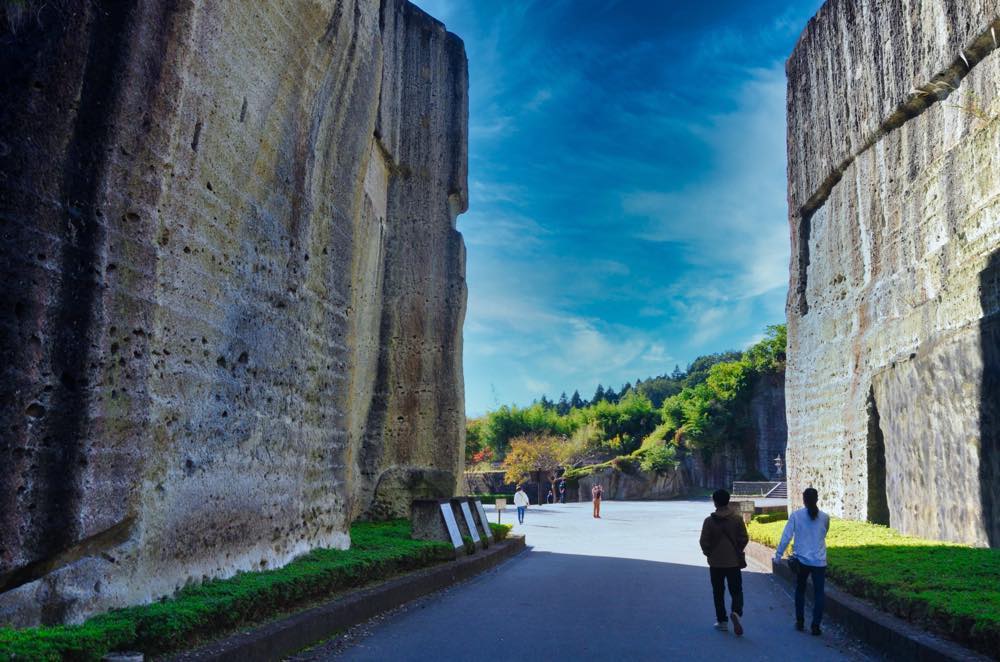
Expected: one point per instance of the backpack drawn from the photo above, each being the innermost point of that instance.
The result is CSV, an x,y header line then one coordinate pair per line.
x,y
742,555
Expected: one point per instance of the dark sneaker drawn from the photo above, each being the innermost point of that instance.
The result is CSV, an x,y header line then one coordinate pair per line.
x,y
800,626
722,626
816,631
737,624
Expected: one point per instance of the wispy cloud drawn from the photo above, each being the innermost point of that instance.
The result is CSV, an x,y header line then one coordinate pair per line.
x,y
627,186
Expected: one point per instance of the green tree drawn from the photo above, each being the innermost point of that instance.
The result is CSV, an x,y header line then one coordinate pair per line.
x,y
598,395
659,458
769,354
562,407
536,457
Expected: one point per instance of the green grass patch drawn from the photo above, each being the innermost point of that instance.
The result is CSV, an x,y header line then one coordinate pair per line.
x,y
947,588
197,613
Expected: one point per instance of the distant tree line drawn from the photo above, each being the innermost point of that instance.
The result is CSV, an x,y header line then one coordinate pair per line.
x,y
702,409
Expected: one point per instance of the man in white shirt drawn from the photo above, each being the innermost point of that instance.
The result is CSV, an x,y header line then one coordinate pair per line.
x,y
521,501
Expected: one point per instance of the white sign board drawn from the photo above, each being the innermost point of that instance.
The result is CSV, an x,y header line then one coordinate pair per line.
x,y
449,521
469,522
500,504
482,519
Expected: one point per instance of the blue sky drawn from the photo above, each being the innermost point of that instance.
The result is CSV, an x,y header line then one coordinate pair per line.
x,y
627,186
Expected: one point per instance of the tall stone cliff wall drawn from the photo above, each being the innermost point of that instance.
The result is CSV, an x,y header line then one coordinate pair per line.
x,y
893,382
767,412
233,288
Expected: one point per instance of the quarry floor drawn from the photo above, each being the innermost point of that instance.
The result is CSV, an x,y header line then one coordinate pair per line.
x,y
632,585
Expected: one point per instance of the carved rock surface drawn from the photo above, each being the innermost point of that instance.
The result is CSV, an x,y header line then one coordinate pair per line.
x,y
233,288
893,380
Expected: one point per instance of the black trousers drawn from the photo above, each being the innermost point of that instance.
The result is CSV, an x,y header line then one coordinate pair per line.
x,y
721,577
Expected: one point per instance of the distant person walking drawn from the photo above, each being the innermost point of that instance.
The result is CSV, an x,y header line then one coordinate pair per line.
x,y
723,539
521,501
562,491
550,497
807,527
597,493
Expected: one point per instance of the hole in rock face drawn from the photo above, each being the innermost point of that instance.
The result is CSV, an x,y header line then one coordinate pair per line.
x,y
208,185
68,380
35,410
244,357
878,498
221,362
197,137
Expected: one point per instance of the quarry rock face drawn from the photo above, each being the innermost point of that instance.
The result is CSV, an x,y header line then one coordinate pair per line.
x,y
767,412
233,290
893,381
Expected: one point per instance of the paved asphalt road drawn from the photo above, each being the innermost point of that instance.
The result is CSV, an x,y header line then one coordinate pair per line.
x,y
632,585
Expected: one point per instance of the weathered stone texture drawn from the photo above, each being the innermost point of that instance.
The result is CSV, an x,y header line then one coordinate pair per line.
x,y
234,290
894,195
767,412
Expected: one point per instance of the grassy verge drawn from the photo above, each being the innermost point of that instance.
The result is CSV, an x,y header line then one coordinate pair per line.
x,y
950,589
378,550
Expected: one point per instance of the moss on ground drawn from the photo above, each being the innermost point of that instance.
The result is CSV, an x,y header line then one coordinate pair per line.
x,y
378,550
947,588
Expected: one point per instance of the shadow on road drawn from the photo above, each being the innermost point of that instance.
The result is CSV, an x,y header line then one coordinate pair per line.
x,y
588,608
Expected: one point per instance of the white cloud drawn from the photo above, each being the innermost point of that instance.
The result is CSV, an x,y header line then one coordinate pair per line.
x,y
735,217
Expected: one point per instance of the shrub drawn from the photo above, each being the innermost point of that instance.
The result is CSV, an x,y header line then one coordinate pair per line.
x,y
470,547
625,464
500,531
767,518
661,458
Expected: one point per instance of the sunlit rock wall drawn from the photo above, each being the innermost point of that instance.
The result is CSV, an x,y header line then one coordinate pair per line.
x,y
233,289
893,382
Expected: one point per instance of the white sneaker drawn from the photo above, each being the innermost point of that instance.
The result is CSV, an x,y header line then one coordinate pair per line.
x,y
722,626
737,624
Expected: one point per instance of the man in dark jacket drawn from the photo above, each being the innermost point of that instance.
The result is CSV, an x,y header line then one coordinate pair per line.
x,y
723,538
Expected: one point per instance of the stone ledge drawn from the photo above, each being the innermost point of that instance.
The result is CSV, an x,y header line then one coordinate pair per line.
x,y
893,636
283,637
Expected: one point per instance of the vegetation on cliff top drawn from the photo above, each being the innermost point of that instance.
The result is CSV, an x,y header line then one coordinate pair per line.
x,y
947,588
378,550
704,409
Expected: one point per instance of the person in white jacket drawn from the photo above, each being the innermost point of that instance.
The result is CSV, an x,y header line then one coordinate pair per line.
x,y
808,528
521,501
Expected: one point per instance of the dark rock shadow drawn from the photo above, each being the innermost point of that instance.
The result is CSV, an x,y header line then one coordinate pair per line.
x,y
989,400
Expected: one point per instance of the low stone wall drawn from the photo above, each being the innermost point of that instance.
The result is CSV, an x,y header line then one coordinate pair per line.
x,y
620,486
